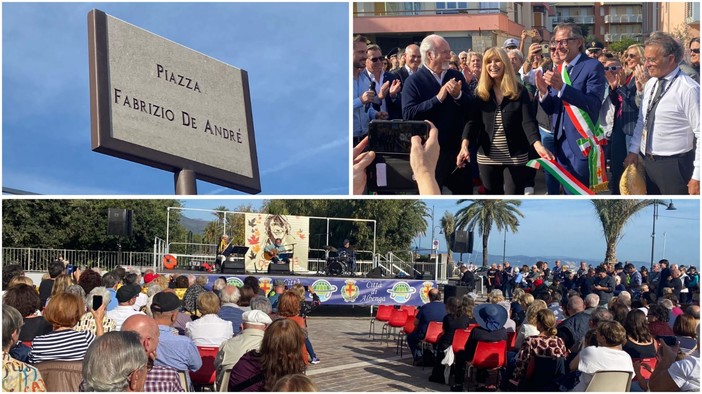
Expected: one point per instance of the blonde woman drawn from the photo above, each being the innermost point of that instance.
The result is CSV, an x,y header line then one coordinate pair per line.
x,y
528,329
503,127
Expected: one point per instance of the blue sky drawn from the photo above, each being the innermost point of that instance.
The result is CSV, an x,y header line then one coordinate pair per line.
x,y
563,227
296,55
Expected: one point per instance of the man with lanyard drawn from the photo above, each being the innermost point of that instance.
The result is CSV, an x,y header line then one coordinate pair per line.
x,y
276,253
668,122
573,93
349,256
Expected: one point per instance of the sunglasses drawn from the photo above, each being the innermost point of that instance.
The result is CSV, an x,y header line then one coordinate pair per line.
x,y
375,59
630,56
696,50
612,68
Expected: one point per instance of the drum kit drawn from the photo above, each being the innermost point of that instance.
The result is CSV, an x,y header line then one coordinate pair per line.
x,y
337,265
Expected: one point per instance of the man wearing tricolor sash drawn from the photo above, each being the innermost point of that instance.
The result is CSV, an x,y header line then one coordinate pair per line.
x,y
573,94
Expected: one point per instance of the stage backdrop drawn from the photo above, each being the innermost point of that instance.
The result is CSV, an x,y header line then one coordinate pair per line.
x,y
351,291
263,229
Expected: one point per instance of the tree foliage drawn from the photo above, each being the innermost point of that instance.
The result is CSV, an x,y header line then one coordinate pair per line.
x,y
621,45
484,214
82,224
613,215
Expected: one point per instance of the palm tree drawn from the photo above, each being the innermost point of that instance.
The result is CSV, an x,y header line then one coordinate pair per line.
x,y
613,215
486,213
448,222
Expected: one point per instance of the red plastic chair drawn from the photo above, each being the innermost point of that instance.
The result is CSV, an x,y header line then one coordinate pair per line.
x,y
406,330
206,375
434,331
383,315
398,318
460,337
651,362
490,356
511,340
411,310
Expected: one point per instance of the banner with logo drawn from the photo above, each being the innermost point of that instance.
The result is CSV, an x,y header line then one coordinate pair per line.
x,y
262,230
351,291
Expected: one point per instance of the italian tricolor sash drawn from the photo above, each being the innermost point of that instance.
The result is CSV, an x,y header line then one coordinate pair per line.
x,y
564,177
592,137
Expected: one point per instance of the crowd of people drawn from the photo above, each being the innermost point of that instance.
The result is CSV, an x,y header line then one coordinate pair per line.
x,y
564,100
568,325
134,331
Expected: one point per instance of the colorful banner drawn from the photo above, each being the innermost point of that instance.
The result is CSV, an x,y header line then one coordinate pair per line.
x,y
351,291
262,230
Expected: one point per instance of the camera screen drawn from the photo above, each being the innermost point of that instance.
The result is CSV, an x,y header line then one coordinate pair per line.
x,y
396,137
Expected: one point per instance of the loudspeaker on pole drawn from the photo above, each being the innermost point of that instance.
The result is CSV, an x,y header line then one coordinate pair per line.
x,y
119,222
462,241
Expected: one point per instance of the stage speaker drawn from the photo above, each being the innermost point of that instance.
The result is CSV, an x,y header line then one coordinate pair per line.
x,y
233,267
454,291
376,272
462,242
119,222
279,269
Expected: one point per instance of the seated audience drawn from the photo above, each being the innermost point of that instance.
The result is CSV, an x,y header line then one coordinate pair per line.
x,y
295,383
126,298
261,303
459,314
26,300
434,310
545,344
193,292
87,321
279,356
230,311
89,280
254,325
658,317
64,343
55,269
491,319
116,362
10,272
16,375
639,342
528,329
685,329
209,329
20,280
158,377
246,294
175,351
675,374
111,280
592,301
606,356
573,329
134,279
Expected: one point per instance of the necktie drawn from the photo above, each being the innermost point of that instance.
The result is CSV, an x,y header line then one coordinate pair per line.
x,y
652,114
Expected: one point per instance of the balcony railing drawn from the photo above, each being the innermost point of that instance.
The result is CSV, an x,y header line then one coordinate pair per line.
x,y
435,11
613,37
633,18
579,19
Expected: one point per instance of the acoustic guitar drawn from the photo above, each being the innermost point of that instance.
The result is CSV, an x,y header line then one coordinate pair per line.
x,y
268,255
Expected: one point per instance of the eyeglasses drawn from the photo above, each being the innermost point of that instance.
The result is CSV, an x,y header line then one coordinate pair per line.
x,y
631,56
553,49
564,41
696,50
375,59
612,68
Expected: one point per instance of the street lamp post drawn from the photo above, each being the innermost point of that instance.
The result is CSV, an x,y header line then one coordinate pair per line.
x,y
504,247
670,207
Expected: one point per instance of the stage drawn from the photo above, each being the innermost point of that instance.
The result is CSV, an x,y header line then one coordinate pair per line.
x,y
339,290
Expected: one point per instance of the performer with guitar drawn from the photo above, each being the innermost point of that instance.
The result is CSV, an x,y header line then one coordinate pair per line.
x,y
276,253
223,251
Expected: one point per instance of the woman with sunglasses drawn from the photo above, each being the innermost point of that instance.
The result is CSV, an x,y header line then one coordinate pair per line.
x,y
622,82
502,127
691,67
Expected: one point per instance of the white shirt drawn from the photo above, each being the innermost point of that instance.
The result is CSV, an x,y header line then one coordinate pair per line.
x,y
440,78
409,70
378,85
677,119
141,301
121,313
209,330
686,373
594,358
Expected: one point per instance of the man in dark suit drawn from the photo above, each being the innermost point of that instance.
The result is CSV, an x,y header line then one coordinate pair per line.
x,y
440,95
585,92
387,85
412,62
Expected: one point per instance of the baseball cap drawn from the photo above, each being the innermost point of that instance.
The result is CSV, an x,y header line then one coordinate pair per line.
x,y
165,302
256,317
511,42
150,277
127,292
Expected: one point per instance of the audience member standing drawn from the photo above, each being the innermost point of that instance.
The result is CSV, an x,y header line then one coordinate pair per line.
x,y
441,96
669,122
